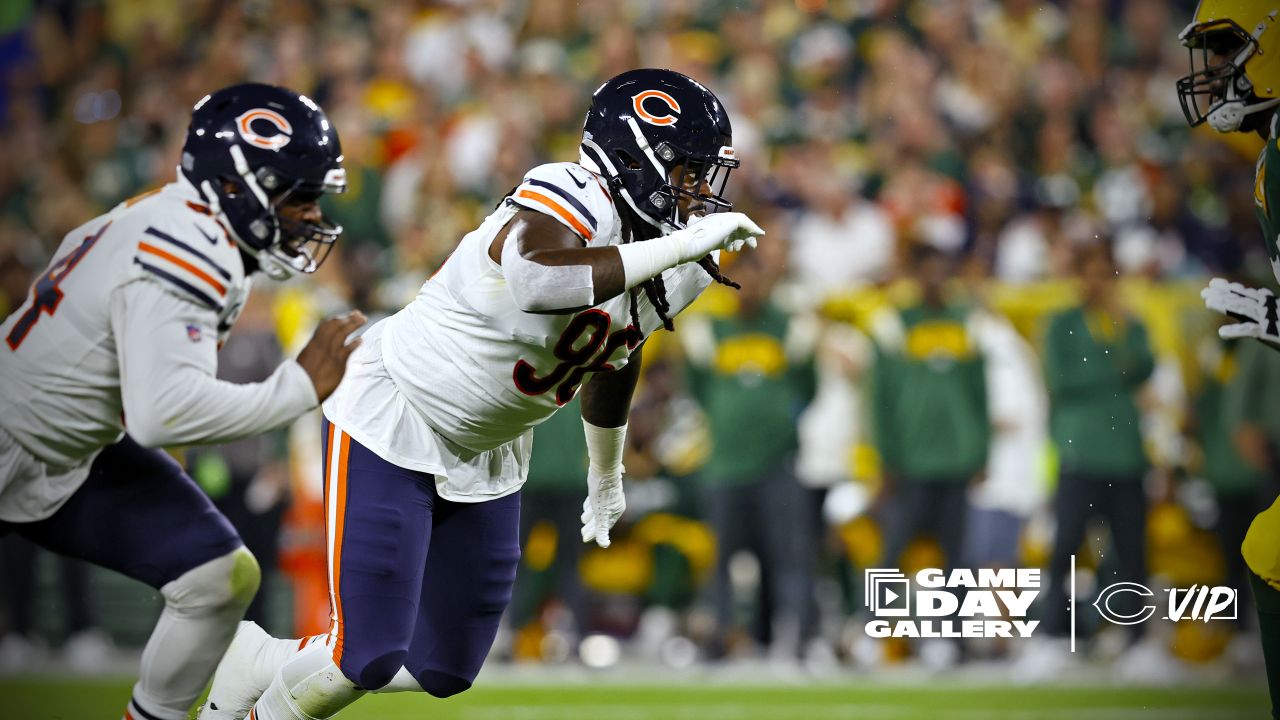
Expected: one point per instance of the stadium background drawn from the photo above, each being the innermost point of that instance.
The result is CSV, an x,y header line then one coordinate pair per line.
x,y
1007,134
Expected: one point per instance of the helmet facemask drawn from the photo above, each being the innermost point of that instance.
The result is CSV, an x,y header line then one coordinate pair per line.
x,y
1220,92
264,223
303,244
694,187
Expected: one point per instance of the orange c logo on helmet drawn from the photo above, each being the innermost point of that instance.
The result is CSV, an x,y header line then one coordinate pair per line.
x,y
282,136
637,101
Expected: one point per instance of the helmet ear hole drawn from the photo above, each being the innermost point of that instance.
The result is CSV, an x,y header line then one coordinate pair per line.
x,y
231,187
626,161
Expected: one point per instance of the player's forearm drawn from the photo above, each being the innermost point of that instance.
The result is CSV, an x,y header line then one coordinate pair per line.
x,y
189,407
606,398
167,352
549,271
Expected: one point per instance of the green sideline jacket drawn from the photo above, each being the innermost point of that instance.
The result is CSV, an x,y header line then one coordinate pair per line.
x,y
1253,395
752,376
929,398
1217,416
1094,365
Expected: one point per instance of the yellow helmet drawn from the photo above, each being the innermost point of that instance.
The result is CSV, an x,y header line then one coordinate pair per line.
x,y
1235,62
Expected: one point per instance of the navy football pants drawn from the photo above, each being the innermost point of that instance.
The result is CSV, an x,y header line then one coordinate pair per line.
x,y
137,513
414,579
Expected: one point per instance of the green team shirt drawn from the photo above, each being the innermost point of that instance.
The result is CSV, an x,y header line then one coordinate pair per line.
x,y
1220,409
1253,395
1093,367
1266,195
752,391
929,398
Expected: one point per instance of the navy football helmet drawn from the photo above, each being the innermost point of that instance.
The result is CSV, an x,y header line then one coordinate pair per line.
x,y
250,149
644,126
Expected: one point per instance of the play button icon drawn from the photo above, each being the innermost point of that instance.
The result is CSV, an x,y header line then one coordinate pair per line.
x,y
884,601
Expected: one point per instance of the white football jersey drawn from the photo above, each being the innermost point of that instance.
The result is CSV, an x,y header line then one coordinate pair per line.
x,y
455,382
59,366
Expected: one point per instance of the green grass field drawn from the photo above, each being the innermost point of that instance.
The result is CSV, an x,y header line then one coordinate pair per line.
x,y
83,700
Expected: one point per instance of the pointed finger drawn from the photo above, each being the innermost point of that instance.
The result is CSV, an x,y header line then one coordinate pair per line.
x,y
1239,330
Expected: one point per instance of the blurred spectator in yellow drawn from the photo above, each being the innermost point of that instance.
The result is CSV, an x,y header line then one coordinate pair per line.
x,y
753,373
929,405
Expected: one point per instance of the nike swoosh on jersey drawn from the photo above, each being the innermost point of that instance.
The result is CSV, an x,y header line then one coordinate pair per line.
x,y
212,240
581,185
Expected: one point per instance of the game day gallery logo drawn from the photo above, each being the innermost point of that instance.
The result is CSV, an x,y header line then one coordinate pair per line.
x,y
959,604
988,603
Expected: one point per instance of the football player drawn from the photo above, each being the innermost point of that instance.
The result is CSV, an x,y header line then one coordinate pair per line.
x,y
114,354
1234,85
427,441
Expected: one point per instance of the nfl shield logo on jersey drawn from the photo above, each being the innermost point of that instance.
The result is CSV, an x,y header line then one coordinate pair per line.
x,y
193,332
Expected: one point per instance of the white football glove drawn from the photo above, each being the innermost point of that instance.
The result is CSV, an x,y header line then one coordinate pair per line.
x,y
605,503
718,231
705,234
1255,308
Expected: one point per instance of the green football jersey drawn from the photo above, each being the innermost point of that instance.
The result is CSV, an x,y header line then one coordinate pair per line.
x,y
1266,195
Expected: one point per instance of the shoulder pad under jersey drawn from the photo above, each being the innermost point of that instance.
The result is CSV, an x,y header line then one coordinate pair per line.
x,y
569,193
184,247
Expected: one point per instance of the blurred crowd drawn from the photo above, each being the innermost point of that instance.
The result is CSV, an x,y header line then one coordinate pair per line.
x,y
951,189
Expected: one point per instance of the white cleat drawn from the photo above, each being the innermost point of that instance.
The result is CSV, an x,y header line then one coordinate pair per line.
x,y
236,686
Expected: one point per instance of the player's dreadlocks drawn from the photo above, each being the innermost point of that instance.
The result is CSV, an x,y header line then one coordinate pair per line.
x,y
636,230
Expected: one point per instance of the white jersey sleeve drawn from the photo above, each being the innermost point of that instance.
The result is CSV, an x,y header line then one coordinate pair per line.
x,y
168,361
572,195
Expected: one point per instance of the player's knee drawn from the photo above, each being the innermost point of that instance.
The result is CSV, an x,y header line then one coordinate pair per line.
x,y
374,672
225,584
441,684
245,577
